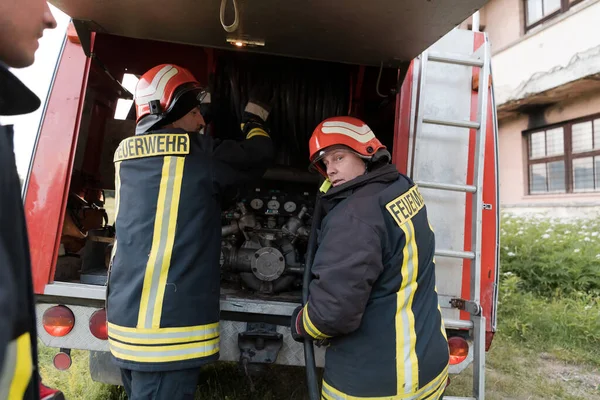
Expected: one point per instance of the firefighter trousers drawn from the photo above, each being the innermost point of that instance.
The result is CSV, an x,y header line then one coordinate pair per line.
x,y
164,385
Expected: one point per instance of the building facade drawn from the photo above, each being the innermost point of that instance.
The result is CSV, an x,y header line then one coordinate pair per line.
x,y
546,67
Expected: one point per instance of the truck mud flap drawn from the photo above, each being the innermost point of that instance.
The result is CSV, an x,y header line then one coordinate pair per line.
x,y
103,369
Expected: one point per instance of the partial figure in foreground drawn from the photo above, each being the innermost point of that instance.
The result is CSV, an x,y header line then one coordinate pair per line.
x,y
163,286
373,300
22,23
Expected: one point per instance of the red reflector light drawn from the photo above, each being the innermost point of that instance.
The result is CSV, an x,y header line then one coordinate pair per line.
x,y
459,349
62,361
58,320
98,325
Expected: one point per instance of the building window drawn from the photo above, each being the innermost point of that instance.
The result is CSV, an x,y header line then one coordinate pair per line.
x,y
539,11
565,158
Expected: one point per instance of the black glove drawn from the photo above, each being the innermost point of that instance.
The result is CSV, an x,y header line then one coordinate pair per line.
x,y
259,104
206,107
296,325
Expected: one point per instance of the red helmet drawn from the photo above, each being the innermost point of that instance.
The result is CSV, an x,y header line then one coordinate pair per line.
x,y
346,131
159,89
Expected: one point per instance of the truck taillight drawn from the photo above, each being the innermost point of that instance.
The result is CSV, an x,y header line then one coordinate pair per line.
x,y
459,349
58,320
62,360
98,325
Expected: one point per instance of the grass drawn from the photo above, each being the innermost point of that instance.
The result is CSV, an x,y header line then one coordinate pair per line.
x,y
514,372
547,345
552,257
76,382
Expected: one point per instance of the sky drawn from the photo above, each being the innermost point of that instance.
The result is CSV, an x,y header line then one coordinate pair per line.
x,y
38,78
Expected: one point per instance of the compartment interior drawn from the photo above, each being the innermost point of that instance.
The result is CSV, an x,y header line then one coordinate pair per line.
x,y
279,205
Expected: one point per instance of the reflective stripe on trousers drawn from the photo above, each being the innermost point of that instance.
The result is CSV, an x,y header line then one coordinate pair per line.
x,y
432,391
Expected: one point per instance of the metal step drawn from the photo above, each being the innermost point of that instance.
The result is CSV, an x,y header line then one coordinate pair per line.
x,y
447,186
456,123
455,59
458,398
469,255
458,324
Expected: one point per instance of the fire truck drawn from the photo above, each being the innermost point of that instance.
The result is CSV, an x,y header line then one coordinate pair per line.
x,y
423,86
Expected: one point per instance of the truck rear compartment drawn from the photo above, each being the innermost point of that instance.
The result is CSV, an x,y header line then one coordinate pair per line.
x,y
265,223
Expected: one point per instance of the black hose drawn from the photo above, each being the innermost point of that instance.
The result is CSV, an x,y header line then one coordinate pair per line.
x,y
309,351
305,93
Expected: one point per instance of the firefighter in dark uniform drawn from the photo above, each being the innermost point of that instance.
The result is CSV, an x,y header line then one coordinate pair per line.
x,y
373,298
21,25
163,294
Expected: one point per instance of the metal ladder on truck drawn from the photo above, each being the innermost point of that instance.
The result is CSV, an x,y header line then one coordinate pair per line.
x,y
480,59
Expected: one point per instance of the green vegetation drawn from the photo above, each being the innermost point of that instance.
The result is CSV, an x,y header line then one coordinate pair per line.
x,y
553,258
547,345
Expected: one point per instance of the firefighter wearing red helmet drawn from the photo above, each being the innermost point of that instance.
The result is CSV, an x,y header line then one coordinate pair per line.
x,y
163,287
373,298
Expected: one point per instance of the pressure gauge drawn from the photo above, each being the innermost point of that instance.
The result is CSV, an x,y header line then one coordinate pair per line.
x,y
273,205
256,204
290,206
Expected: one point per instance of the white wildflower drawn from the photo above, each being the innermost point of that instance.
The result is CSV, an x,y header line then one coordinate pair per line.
x,y
549,230
587,239
545,236
587,307
511,254
506,248
508,222
576,251
597,255
594,234
584,227
567,232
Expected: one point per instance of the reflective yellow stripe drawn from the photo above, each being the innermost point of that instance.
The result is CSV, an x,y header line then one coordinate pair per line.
x,y
443,327
166,261
406,338
432,387
324,394
161,238
439,392
155,243
117,188
309,327
431,391
22,369
167,353
163,335
162,330
256,132
411,315
117,204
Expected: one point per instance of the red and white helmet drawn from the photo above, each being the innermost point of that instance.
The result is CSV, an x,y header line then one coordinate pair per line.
x,y
342,131
159,89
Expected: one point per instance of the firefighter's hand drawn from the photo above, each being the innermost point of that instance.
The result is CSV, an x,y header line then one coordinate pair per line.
x,y
259,104
296,325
